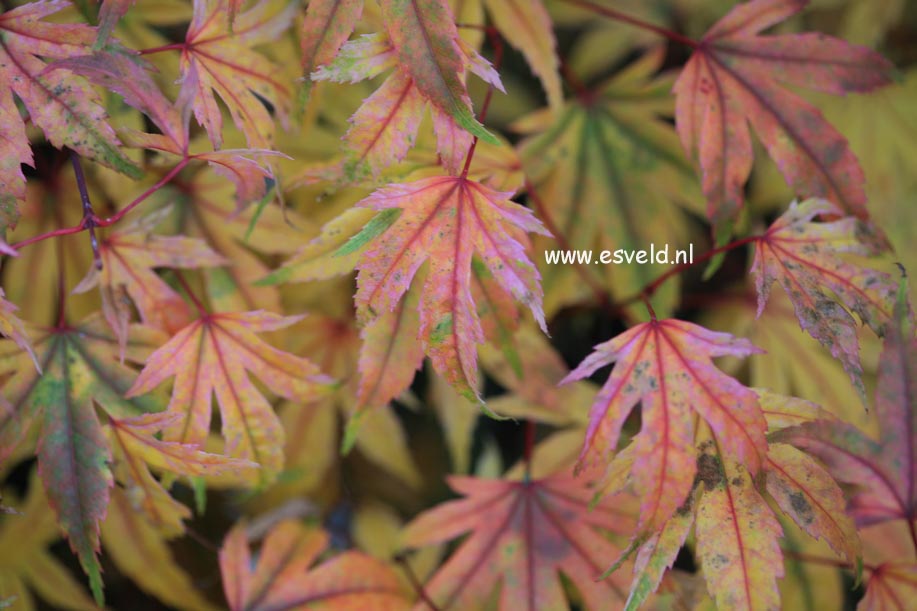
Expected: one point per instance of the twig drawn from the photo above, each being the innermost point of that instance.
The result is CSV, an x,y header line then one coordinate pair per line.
x,y
625,18
89,215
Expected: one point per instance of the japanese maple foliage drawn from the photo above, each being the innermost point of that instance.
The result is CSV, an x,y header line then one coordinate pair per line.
x,y
278,311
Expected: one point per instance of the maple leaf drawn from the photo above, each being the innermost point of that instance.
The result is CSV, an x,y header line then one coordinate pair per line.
x,y
885,471
282,578
892,586
212,356
608,172
66,109
737,531
427,46
385,126
523,534
666,366
28,564
128,257
215,60
130,78
732,80
79,371
445,221
808,258
137,450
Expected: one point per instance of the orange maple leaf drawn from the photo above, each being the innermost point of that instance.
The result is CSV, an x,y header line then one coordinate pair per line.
x,y
446,221
385,126
128,257
213,355
217,58
282,578
523,533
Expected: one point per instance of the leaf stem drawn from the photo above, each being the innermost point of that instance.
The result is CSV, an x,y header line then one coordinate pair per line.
x,y
494,37
97,222
159,184
528,449
177,46
415,582
824,561
625,18
191,295
89,215
646,292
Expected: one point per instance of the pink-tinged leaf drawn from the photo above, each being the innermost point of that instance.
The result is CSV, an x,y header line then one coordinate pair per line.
x,y
425,38
884,471
129,77
110,14
733,80
385,127
522,535
891,587
213,356
129,256
811,497
218,61
65,108
667,366
737,537
808,260
327,26
283,579
390,354
444,221
527,26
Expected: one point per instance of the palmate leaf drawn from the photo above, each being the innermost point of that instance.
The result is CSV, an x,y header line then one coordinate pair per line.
x,y
885,471
609,172
217,59
80,371
522,535
808,260
444,221
667,366
66,109
213,356
426,43
385,126
137,450
737,532
130,78
732,80
283,579
129,256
